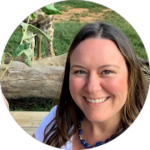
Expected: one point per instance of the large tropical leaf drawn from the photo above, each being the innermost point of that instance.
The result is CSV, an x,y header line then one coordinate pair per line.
x,y
34,29
32,16
27,55
27,38
50,10
20,49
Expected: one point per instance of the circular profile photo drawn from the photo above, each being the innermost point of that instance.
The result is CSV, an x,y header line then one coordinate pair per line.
x,y
74,75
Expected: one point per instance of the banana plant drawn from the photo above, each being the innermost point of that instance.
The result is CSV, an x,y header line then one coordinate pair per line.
x,y
24,49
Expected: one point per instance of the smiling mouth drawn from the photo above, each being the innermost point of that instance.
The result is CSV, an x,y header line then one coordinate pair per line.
x,y
100,100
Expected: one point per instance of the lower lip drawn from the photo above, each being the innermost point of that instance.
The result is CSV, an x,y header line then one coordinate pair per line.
x,y
96,104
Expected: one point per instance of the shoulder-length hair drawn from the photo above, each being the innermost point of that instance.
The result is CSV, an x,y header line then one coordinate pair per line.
x,y
68,113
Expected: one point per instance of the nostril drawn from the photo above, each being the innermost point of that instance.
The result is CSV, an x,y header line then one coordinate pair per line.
x,y
92,88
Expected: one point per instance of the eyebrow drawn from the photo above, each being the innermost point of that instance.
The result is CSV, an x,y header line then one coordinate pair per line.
x,y
104,66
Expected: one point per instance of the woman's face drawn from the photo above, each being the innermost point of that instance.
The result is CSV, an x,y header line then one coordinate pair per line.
x,y
98,79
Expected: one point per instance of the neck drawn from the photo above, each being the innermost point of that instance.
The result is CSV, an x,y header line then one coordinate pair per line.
x,y
100,130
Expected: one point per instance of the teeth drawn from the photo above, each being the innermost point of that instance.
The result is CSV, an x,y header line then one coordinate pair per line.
x,y
96,100
91,101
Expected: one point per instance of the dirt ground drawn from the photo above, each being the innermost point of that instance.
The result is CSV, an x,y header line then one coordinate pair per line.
x,y
79,14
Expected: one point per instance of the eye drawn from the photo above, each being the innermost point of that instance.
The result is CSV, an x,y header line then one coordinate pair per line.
x,y
80,72
105,72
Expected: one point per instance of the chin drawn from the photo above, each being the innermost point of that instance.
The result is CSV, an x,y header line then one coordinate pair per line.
x,y
96,118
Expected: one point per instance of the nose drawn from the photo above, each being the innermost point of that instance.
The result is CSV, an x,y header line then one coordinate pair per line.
x,y
93,84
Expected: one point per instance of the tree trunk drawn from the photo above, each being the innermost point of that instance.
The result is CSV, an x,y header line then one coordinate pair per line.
x,y
44,79
37,81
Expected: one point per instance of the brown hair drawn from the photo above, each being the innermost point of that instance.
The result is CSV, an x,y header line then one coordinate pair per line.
x,y
68,112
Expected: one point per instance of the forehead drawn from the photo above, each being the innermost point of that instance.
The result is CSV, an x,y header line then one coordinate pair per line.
x,y
95,50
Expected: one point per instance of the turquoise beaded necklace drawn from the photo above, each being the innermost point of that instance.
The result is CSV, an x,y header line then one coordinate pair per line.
x,y
86,145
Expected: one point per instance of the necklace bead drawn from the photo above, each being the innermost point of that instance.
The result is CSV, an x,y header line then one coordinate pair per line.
x,y
107,140
82,141
91,146
86,145
99,143
80,131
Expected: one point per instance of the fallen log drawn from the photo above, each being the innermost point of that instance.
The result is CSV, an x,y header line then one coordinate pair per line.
x,y
37,81
42,80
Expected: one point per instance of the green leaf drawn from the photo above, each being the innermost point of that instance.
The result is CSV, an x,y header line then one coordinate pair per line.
x,y
50,10
32,16
27,37
36,30
28,62
3,58
23,25
20,49
27,55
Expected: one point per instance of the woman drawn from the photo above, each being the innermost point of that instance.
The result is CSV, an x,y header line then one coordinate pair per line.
x,y
103,91
101,64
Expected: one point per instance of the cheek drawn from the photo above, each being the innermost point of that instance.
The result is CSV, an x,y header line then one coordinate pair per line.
x,y
119,86
74,85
